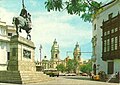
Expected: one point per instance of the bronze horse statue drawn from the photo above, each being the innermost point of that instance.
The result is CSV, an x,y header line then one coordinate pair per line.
x,y
23,22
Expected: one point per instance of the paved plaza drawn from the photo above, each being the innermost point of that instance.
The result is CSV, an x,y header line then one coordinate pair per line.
x,y
69,80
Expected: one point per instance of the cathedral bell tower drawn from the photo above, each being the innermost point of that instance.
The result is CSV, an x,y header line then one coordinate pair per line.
x,y
55,51
77,52
77,55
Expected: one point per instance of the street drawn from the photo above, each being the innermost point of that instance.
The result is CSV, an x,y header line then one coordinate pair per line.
x,y
69,80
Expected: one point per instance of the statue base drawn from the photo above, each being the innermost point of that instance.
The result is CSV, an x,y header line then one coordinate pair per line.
x,y
21,66
23,77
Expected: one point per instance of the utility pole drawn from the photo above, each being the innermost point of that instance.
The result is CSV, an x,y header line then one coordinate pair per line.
x,y
40,53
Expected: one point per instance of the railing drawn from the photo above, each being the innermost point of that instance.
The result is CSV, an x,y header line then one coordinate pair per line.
x,y
111,77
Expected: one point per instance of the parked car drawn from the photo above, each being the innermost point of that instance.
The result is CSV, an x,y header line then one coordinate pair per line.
x,y
96,77
61,74
84,74
70,74
51,72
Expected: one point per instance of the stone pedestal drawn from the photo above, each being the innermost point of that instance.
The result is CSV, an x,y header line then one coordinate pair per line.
x,y
21,66
21,54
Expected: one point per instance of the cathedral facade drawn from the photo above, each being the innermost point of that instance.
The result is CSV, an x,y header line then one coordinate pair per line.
x,y
76,55
55,57
77,52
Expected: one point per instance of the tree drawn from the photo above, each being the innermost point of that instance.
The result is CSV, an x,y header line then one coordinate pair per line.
x,y
71,65
84,8
60,67
86,67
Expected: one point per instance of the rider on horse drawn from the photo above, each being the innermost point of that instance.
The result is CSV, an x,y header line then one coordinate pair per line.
x,y
23,13
27,17
23,22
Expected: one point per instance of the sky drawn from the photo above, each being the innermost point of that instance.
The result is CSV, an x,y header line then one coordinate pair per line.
x,y
47,26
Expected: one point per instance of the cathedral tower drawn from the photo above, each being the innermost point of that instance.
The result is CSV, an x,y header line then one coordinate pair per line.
x,y
55,60
77,52
55,51
77,55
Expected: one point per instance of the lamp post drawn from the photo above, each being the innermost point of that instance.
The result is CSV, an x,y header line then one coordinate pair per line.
x,y
40,53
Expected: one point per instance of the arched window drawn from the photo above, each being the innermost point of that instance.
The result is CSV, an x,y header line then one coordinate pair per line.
x,y
56,55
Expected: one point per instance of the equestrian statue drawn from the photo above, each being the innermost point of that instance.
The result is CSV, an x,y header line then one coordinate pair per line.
x,y
23,22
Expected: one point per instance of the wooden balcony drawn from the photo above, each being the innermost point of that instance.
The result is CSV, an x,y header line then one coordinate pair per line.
x,y
111,55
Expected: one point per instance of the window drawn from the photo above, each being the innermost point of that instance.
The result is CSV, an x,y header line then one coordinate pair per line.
x,y
104,45
119,41
2,45
116,29
45,56
8,55
108,32
108,44
112,44
2,31
104,33
9,34
116,38
112,31
94,26
56,55
110,15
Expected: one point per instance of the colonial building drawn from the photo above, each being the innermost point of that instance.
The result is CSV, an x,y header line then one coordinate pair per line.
x,y
55,57
6,31
45,63
106,39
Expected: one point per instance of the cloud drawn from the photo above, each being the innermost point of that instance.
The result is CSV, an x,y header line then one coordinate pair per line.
x,y
55,26
6,16
48,26
33,2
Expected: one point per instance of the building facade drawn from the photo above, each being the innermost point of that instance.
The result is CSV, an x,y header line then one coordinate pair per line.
x,y
55,58
105,41
6,31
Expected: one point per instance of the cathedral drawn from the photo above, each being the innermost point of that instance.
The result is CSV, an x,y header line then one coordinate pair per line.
x,y
77,52
55,57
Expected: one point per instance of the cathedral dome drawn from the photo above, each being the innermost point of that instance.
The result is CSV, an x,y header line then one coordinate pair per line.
x,y
55,51
77,48
77,52
55,46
